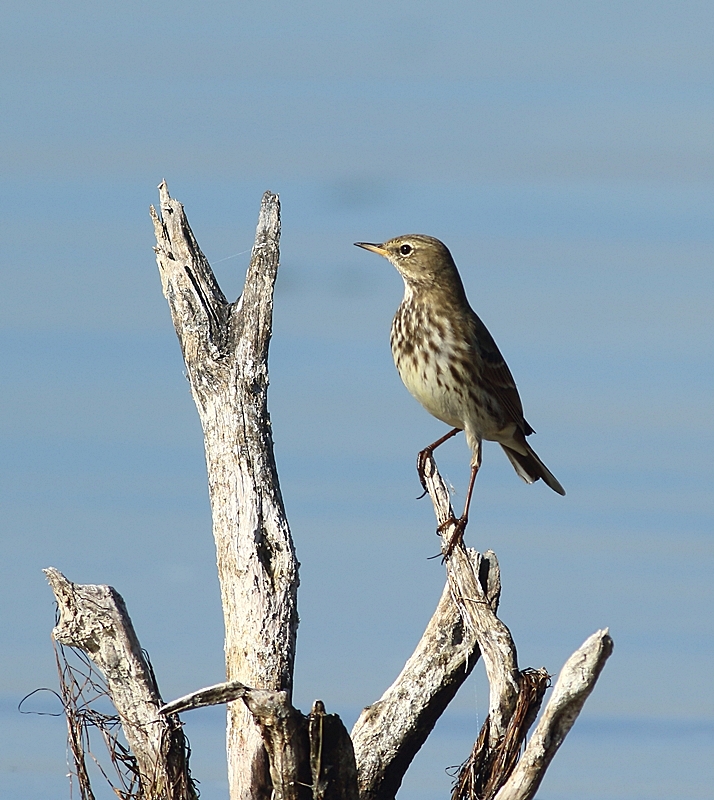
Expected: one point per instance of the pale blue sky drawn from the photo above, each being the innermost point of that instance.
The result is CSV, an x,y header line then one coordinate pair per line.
x,y
564,153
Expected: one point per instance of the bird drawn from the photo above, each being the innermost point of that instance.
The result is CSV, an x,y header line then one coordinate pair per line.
x,y
450,363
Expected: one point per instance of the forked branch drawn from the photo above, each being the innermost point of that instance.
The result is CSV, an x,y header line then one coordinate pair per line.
x,y
225,349
575,683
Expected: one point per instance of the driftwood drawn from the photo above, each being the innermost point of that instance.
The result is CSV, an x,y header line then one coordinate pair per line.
x,y
310,757
515,696
225,349
575,682
94,619
273,749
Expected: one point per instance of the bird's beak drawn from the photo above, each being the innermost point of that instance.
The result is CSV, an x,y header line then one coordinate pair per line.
x,y
375,248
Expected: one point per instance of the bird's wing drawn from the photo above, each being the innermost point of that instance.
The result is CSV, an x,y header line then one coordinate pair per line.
x,y
496,374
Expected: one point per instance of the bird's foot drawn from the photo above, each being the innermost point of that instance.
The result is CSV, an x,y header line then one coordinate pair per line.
x,y
421,469
458,534
426,454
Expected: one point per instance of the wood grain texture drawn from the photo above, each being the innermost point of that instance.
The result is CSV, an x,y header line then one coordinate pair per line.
x,y
464,571
576,681
225,349
94,619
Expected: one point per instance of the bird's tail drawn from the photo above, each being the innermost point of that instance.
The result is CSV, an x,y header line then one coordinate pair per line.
x,y
530,467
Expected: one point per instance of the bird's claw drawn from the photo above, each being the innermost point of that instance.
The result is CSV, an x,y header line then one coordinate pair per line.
x,y
457,536
421,468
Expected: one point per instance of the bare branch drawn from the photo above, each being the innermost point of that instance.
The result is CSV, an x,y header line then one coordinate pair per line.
x,y
515,696
389,733
94,619
576,681
225,348
210,696
494,638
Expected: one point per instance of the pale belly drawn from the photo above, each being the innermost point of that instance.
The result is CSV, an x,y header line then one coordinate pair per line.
x,y
427,384
453,399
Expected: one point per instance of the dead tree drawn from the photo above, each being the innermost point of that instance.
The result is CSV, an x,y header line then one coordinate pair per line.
x,y
273,749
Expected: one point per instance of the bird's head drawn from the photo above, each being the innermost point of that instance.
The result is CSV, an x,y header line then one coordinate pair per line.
x,y
420,259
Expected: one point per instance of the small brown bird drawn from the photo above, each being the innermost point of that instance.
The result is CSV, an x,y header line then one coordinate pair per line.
x,y
450,363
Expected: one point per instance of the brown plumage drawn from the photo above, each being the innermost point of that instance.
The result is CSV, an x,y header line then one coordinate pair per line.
x,y
449,361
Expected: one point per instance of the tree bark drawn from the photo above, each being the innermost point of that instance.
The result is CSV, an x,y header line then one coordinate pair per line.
x,y
225,349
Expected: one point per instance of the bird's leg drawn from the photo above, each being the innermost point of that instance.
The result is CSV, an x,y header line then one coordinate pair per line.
x,y
426,452
458,533
460,524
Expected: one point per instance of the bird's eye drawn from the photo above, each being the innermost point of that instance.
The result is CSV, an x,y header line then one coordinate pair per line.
x,y
405,249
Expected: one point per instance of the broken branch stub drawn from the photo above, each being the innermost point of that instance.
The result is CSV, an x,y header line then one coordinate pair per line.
x,y
310,757
94,619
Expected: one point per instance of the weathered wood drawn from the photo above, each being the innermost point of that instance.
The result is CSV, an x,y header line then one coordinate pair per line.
x,y
214,695
310,757
332,757
497,646
510,712
390,732
225,349
576,681
94,619
284,732
274,750
283,728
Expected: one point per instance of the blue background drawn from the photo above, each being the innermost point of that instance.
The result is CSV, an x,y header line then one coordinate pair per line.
x,y
563,150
